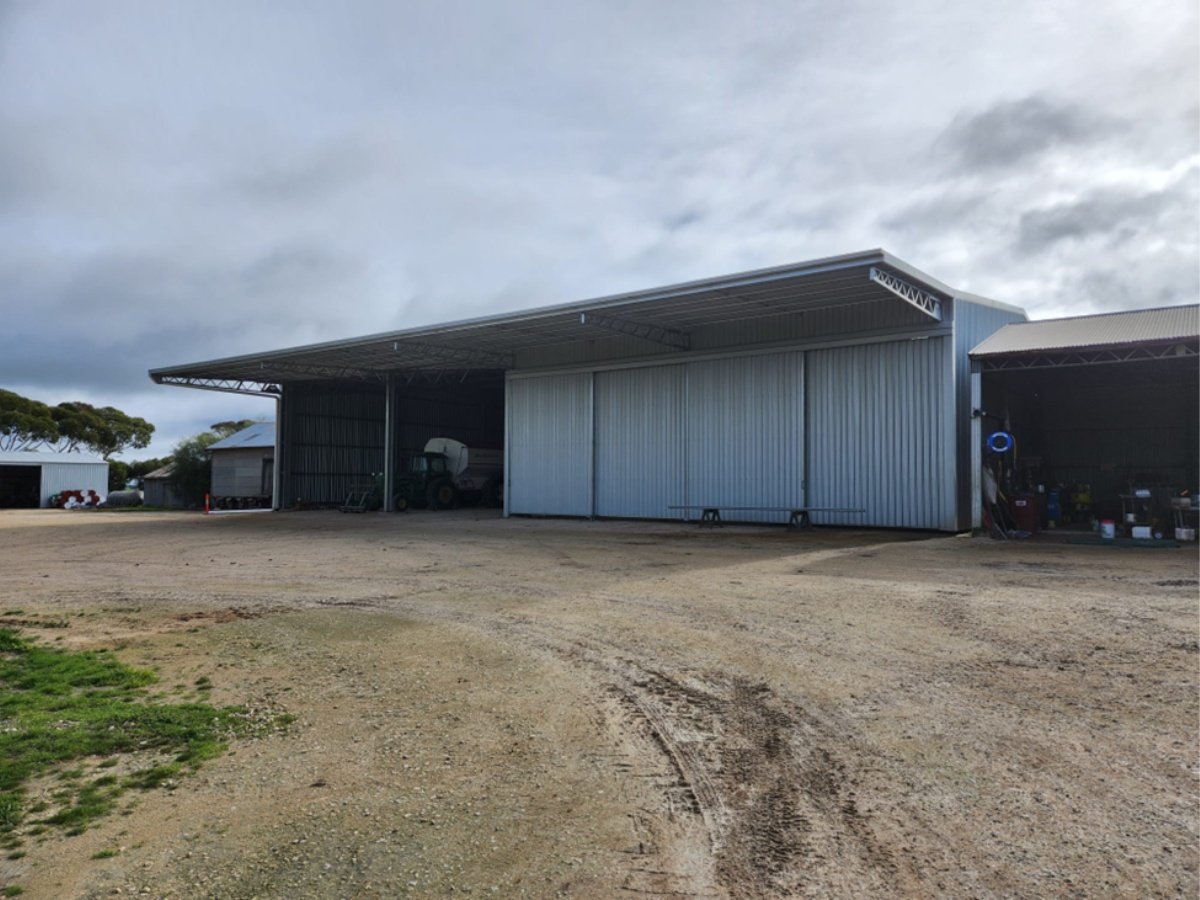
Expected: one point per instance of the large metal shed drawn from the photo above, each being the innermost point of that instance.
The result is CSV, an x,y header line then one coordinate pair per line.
x,y
29,478
836,382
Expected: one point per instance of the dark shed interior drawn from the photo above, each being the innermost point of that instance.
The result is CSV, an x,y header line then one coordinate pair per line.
x,y
1103,432
20,487
333,431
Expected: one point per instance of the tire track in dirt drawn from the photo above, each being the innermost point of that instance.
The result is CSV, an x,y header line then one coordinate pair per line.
x,y
759,779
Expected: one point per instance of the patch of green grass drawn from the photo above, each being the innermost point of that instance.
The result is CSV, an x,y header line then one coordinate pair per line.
x,y
16,854
14,890
155,776
203,683
104,854
62,708
10,812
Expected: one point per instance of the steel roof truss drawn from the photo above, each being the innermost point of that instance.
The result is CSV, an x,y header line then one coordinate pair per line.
x,y
655,333
462,355
320,371
922,300
1090,357
229,385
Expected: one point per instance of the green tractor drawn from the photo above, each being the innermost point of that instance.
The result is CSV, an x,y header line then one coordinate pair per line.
x,y
424,480
447,472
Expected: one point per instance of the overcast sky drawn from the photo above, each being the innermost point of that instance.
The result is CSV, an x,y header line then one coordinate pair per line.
x,y
181,181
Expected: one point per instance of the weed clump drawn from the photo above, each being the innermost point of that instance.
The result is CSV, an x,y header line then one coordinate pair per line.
x,y
59,709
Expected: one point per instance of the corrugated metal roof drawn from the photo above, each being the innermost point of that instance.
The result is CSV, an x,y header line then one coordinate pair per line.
x,y
162,472
490,342
260,434
39,457
1108,329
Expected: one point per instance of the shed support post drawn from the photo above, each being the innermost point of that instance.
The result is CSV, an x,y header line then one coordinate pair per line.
x,y
976,446
277,464
389,442
507,444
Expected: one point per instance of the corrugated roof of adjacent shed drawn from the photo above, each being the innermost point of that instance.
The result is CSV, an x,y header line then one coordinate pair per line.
x,y
260,434
1165,324
39,457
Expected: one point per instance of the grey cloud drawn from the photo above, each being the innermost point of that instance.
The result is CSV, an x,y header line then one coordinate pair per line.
x,y
929,216
1011,132
109,319
1115,215
175,187
682,219
304,178
1110,289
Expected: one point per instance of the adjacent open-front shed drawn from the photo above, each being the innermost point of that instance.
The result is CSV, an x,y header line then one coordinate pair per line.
x,y
841,382
1100,408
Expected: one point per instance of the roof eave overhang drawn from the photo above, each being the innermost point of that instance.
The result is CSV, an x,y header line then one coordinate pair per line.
x,y
490,342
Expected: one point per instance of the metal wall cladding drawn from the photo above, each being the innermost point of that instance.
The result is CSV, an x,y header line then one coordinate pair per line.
x,y
973,322
877,435
550,446
333,437
471,411
59,477
239,473
715,432
745,434
640,456
160,492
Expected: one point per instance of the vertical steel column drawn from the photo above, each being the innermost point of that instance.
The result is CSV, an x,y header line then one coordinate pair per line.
x,y
508,412
687,440
976,446
948,489
389,442
805,435
592,444
277,465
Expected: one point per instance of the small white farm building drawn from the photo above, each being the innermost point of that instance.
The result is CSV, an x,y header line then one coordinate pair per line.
x,y
29,478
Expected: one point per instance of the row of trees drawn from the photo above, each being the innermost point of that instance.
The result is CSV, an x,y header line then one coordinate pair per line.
x,y
32,425
106,431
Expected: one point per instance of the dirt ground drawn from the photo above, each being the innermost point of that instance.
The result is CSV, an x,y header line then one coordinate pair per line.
x,y
550,708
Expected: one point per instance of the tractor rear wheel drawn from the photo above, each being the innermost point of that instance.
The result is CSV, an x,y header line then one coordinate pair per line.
x,y
400,503
441,495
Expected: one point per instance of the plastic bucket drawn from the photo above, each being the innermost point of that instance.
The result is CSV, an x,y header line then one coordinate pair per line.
x,y
1108,529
